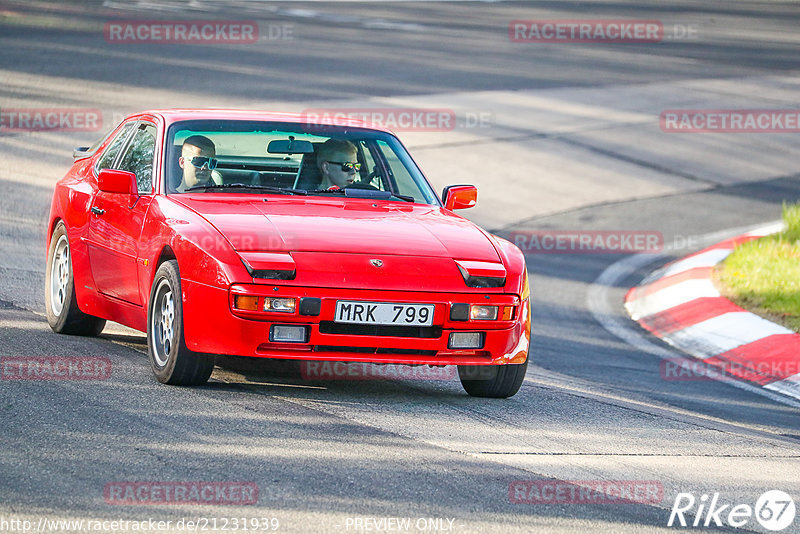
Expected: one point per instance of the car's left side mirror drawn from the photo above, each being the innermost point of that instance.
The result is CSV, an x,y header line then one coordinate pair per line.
x,y
115,181
459,197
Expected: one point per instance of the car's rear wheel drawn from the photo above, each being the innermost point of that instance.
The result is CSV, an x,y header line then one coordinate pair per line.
x,y
61,305
494,381
172,362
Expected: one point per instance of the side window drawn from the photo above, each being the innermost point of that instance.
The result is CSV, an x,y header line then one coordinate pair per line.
x,y
107,159
138,159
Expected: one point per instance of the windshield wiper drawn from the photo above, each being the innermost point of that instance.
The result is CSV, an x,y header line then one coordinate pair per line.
x,y
239,185
355,192
351,192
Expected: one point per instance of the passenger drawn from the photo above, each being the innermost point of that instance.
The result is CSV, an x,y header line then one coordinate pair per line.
x,y
338,163
198,163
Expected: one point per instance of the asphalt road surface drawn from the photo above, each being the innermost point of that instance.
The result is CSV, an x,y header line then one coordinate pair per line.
x,y
558,136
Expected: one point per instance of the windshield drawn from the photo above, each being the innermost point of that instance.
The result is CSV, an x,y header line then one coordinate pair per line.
x,y
212,156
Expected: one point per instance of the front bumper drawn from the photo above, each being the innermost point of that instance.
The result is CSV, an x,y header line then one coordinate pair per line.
x,y
212,326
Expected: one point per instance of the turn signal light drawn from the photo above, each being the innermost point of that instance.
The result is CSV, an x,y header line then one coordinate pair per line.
x,y
245,302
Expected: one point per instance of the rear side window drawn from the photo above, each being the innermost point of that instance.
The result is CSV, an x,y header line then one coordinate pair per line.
x,y
138,157
110,154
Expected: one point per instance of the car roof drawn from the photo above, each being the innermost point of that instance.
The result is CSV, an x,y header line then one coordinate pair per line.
x,y
174,115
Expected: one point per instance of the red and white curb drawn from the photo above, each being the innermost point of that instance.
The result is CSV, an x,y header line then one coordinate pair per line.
x,y
679,304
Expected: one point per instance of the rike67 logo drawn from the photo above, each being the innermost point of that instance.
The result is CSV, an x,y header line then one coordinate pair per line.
x,y
774,510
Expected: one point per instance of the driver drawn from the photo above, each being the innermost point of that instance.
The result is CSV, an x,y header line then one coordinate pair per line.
x,y
338,163
197,161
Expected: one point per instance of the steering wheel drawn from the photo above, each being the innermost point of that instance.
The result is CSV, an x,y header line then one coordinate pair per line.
x,y
371,176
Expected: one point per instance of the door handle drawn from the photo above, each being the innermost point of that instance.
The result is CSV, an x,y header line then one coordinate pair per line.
x,y
97,211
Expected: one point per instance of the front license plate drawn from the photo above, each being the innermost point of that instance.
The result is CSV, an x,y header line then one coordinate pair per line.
x,y
385,313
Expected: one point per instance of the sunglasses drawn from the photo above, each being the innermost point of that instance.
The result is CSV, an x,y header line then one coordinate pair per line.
x,y
202,161
347,166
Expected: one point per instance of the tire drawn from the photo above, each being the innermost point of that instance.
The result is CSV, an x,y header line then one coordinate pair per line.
x,y
61,305
492,381
171,361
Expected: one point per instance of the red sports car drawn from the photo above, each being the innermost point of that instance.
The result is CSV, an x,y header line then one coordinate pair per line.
x,y
266,235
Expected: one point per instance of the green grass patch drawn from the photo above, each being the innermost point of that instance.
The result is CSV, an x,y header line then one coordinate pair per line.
x,y
763,276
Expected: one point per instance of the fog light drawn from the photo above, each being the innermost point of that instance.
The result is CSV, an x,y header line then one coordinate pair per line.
x,y
483,313
465,340
279,305
245,302
282,333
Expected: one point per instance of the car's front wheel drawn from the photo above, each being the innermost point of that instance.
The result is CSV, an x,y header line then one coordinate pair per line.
x,y
172,362
494,381
61,305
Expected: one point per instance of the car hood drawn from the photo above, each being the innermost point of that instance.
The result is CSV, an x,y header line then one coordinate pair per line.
x,y
318,224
